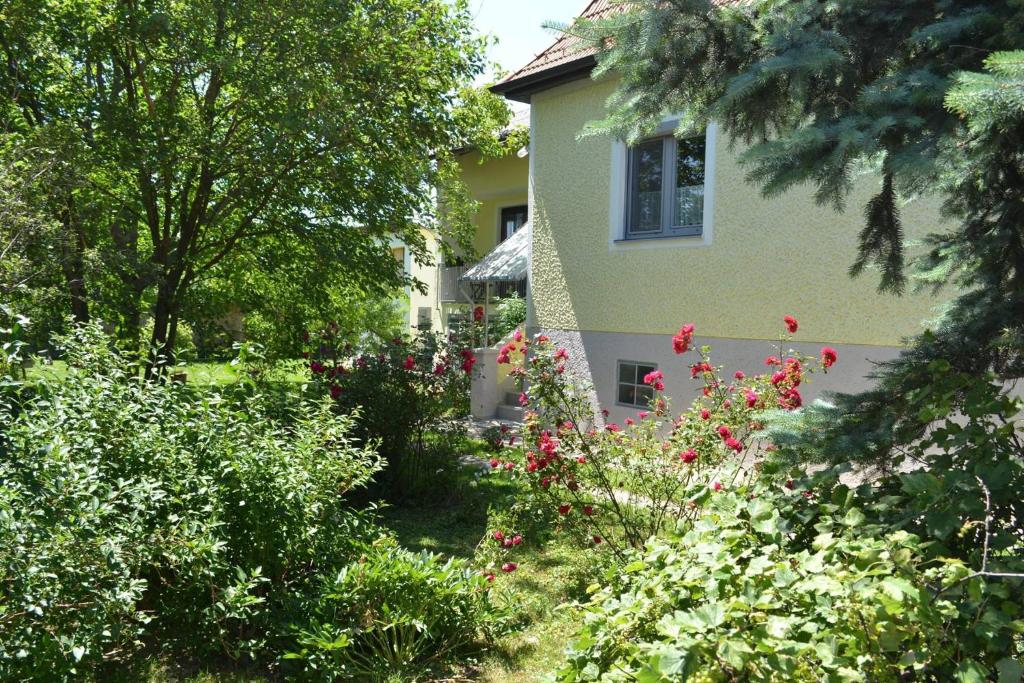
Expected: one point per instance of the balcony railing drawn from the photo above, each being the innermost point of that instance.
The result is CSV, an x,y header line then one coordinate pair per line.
x,y
449,283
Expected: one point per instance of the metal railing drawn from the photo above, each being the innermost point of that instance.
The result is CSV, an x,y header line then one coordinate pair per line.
x,y
448,286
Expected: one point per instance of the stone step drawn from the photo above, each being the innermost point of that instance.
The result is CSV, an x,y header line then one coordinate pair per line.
x,y
510,413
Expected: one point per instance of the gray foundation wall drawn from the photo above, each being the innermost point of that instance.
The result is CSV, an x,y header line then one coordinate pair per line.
x,y
594,357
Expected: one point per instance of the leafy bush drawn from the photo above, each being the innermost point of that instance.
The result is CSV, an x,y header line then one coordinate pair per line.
x,y
394,613
133,510
404,391
510,313
797,585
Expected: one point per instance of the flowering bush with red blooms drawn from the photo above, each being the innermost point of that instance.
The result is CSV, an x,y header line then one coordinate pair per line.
x,y
618,485
401,387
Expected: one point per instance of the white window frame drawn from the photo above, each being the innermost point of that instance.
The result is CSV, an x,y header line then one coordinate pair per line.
x,y
618,239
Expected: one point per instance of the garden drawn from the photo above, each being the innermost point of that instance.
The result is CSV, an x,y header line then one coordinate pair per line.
x,y
226,456
347,527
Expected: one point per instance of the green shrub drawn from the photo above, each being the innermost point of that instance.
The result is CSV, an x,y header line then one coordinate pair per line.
x,y
393,614
510,313
134,511
405,392
797,585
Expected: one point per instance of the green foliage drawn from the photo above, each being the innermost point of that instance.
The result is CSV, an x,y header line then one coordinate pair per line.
x,y
410,396
394,613
926,95
791,585
185,135
510,314
134,510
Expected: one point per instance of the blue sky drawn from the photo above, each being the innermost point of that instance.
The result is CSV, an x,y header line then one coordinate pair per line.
x,y
517,26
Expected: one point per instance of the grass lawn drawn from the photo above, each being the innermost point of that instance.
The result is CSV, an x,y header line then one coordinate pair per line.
x,y
203,374
544,588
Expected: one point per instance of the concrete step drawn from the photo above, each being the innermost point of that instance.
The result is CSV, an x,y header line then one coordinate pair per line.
x,y
510,413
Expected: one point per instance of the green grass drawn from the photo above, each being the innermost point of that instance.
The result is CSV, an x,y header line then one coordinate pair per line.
x,y
544,590
201,374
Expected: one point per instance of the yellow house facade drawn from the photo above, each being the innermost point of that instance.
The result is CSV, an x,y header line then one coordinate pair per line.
x,y
499,188
629,243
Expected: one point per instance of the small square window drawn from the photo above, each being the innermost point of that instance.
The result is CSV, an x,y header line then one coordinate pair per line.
x,y
665,187
631,390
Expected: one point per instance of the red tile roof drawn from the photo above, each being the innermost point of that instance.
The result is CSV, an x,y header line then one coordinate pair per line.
x,y
569,49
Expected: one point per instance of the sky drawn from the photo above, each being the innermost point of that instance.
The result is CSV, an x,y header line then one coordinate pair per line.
x,y
517,24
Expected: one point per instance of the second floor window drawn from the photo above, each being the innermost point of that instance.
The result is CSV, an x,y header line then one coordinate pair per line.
x,y
665,195
512,218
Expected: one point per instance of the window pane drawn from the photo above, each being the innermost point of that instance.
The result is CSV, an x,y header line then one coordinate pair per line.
x,y
627,394
644,395
645,203
512,218
689,195
643,370
627,373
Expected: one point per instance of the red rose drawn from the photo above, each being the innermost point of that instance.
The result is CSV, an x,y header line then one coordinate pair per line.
x,y
509,567
564,508
717,486
498,536
478,313
654,379
517,539
409,363
734,444
588,510
828,356
335,391
597,540
681,342
724,432
494,463
705,414
688,456
791,324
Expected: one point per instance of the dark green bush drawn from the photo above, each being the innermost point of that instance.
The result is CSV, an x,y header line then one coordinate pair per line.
x,y
812,585
135,511
393,614
410,394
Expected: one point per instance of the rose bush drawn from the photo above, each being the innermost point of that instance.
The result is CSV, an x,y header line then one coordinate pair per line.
x,y
618,485
409,394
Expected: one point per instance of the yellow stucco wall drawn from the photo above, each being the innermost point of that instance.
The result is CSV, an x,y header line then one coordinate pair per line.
x,y
767,258
411,301
495,184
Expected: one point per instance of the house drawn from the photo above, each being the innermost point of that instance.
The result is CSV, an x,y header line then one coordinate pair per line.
x,y
628,243
496,266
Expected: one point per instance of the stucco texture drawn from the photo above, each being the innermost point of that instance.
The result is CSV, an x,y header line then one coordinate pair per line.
x,y
495,184
767,257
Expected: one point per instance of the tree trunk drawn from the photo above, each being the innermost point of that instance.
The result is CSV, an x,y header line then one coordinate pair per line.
x,y
73,263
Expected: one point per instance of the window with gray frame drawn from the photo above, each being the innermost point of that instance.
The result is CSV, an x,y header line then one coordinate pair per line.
x,y
665,188
631,390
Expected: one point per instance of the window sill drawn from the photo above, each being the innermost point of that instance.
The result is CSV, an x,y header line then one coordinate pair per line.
x,y
629,240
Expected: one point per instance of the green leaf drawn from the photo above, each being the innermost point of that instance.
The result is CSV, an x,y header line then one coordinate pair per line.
x,y
1010,670
970,671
